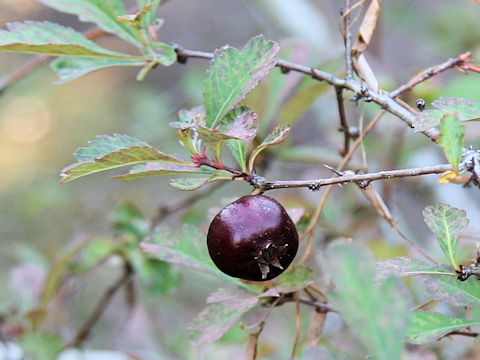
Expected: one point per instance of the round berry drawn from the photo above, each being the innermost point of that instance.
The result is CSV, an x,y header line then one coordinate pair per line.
x,y
252,238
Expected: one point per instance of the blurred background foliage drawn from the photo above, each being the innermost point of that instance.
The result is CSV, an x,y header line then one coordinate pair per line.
x,y
41,124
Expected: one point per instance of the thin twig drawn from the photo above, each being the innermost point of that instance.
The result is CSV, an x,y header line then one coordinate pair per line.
x,y
382,99
343,120
92,320
318,305
348,42
316,216
298,326
358,178
427,74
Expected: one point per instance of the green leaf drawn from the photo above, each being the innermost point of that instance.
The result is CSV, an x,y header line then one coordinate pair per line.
x,y
233,298
101,12
185,137
160,52
240,123
466,110
214,321
109,152
41,346
427,327
185,249
157,169
406,267
188,184
155,275
239,152
450,290
69,69
380,312
451,138
295,278
128,219
149,8
303,223
447,223
194,183
233,74
214,139
53,39
95,252
277,136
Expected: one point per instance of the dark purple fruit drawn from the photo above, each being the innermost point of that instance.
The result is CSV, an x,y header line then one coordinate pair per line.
x,y
252,238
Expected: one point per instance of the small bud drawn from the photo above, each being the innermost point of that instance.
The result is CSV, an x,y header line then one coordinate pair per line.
x,y
354,132
420,104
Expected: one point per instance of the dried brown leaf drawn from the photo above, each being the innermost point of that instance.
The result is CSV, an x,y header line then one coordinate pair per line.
x,y
367,28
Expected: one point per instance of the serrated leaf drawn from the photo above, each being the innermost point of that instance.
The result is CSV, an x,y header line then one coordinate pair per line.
x,y
69,69
451,138
466,110
295,278
160,52
53,39
159,168
188,184
427,327
151,7
214,321
428,119
239,152
277,136
106,144
194,183
240,123
450,290
233,74
406,267
186,249
381,312
447,223
214,139
109,152
234,299
221,175
101,12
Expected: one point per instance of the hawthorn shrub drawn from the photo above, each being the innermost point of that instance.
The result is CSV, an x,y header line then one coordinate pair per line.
x,y
350,283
